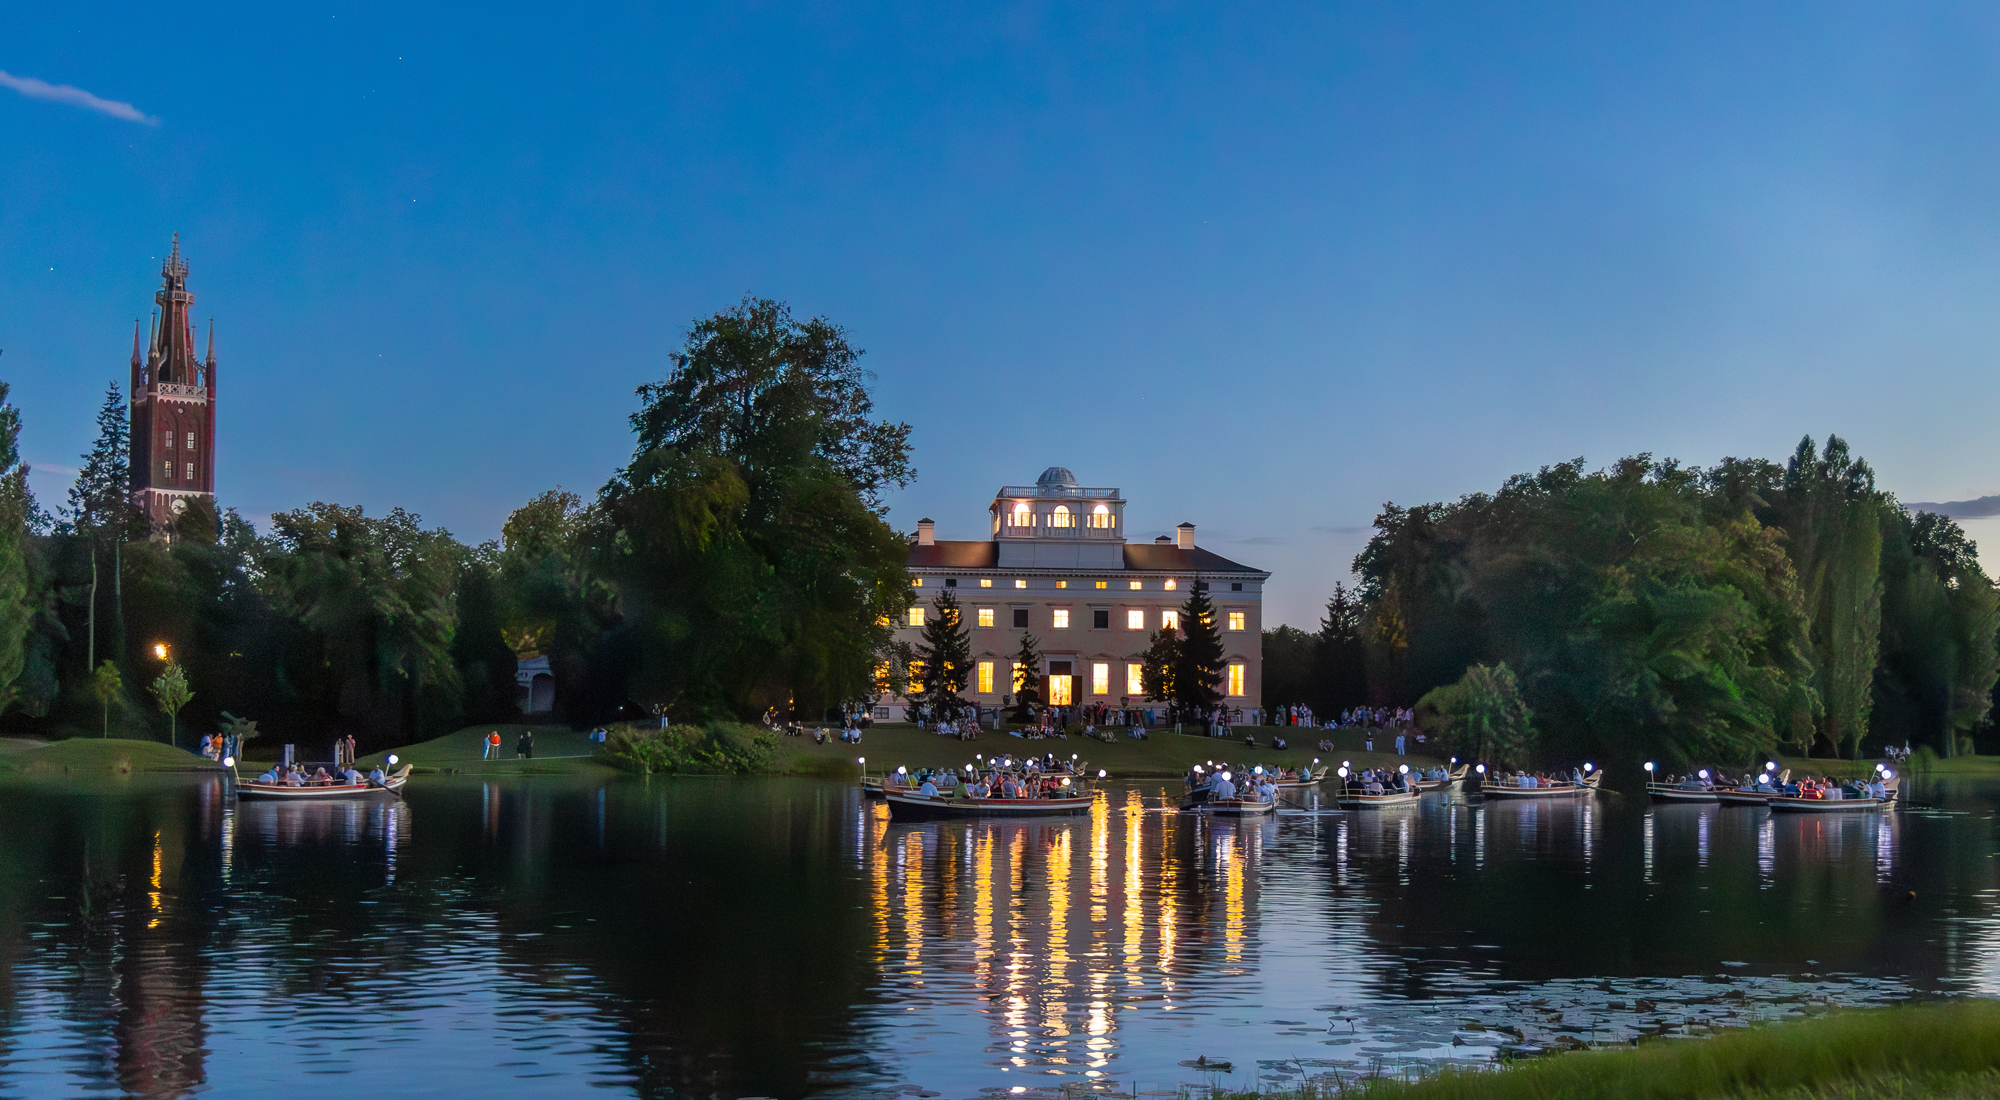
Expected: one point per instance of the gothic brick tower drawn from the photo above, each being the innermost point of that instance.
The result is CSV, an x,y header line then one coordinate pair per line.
x,y
173,405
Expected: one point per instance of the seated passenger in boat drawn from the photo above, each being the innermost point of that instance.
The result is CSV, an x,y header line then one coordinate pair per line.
x,y
928,790
269,776
294,779
375,775
349,775
1222,788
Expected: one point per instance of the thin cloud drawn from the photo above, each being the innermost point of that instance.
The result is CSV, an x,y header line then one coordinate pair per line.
x,y
63,93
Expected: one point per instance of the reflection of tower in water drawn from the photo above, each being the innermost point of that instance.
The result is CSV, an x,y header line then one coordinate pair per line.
x,y
1052,930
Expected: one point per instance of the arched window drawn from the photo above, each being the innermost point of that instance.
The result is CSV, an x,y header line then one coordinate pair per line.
x,y
1061,517
1021,516
1100,516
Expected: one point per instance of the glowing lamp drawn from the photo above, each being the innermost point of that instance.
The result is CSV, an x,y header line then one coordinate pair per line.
x,y
228,761
1342,773
1101,773
160,650
1770,765
1703,773
1481,769
392,759
1403,769
901,770
1649,766
861,760
1065,781
1586,767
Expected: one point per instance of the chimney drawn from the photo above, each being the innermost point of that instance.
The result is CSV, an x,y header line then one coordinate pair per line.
x,y
926,532
1184,536
1162,541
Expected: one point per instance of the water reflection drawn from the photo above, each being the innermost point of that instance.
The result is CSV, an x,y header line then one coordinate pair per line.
x,y
784,938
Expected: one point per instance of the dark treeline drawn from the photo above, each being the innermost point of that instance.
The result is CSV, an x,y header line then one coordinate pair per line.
x,y
1656,610
740,562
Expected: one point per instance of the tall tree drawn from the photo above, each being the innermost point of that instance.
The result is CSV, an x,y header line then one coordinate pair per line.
x,y
171,691
1198,672
945,649
20,602
1340,661
101,511
1940,612
1027,679
1832,516
1481,717
745,539
1159,668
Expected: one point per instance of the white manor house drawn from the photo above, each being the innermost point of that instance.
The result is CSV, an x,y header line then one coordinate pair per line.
x,y
1058,566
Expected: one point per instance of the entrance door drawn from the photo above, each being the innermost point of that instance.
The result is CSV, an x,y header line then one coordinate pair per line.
x,y
1062,684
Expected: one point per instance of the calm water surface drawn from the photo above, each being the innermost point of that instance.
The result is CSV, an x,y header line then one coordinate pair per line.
x,y
730,938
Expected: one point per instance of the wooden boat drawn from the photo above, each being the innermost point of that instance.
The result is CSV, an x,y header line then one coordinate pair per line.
x,y
871,786
391,785
1682,792
1788,804
1308,778
914,805
1355,798
1451,779
1547,791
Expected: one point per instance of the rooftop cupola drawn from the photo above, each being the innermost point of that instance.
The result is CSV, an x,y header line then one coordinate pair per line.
x,y
1059,522
1184,536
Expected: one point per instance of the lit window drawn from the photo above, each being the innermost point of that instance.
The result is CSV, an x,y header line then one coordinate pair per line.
x,y
1135,679
1236,620
1100,516
190,471
1103,584
1061,517
916,582
190,441
1135,620
1170,620
1059,685
1062,618
1062,584
882,676
916,673
1135,586
1020,584
916,616
1235,679
985,616
986,582
1170,584
986,677
1100,678
1017,675
1021,516
168,472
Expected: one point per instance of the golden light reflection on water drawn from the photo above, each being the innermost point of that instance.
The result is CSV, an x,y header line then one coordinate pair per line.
x,y
1070,926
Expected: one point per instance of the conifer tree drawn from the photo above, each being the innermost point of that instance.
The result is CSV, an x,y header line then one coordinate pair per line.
x,y
100,506
1157,667
1027,678
946,652
18,600
1198,672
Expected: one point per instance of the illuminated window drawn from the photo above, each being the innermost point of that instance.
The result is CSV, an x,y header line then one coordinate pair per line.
x,y
985,616
1236,620
1170,620
1170,584
1135,586
1061,517
916,673
1235,679
916,616
1100,678
1062,584
986,582
1020,584
190,441
1103,584
916,582
1135,678
1100,516
168,472
986,677
1135,620
1061,618
1021,516
190,471
1017,675
882,676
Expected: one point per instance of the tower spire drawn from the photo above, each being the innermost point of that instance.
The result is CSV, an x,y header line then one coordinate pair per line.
x,y
137,325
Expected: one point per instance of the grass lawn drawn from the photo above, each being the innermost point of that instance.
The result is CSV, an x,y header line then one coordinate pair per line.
x,y
1932,1050
93,756
1979,767
559,750
1165,755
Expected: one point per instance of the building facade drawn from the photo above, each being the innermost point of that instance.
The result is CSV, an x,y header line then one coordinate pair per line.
x,y
1059,567
173,404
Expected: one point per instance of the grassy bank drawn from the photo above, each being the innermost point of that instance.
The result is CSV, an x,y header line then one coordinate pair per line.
x,y
1975,767
1165,755
559,750
1933,1050
93,756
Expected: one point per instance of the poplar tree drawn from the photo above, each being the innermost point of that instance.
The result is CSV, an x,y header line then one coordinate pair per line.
x,y
1198,671
946,653
101,509
1831,514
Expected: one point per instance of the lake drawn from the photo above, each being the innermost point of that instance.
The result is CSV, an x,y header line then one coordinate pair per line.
x,y
542,936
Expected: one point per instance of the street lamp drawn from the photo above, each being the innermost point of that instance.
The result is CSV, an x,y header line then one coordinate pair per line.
x,y
160,650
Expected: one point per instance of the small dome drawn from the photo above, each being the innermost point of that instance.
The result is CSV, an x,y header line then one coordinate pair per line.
x,y
1057,475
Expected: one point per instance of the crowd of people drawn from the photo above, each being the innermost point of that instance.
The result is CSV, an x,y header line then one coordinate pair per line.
x,y
1043,776
286,775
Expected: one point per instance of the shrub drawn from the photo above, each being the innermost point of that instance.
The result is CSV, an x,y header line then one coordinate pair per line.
x,y
714,748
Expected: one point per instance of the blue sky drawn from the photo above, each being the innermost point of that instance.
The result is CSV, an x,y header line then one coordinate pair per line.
x,y
1263,267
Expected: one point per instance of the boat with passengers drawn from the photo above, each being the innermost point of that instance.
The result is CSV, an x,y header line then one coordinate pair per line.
x,y
1376,789
1031,787
1524,786
1224,793
316,783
